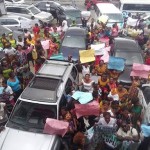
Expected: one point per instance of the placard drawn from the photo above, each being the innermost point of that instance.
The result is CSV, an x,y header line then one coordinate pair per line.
x,y
116,63
86,56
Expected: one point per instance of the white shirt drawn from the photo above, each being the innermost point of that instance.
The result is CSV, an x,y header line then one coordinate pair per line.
x,y
10,51
111,123
88,86
2,105
64,26
9,91
20,43
132,132
114,97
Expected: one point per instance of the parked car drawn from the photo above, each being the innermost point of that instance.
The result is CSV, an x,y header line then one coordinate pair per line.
x,y
130,57
61,12
130,50
15,22
29,11
40,100
73,41
14,1
125,44
48,6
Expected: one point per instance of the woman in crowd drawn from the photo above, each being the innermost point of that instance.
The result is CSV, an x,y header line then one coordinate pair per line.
x,y
14,83
87,83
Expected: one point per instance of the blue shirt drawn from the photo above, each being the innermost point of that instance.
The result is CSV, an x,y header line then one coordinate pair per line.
x,y
14,85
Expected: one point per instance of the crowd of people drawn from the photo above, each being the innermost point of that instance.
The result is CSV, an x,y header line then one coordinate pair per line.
x,y
118,106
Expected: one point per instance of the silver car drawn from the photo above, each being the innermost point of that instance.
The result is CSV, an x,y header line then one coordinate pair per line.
x,y
15,22
29,11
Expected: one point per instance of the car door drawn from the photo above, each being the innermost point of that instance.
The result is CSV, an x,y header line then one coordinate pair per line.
x,y
3,22
13,24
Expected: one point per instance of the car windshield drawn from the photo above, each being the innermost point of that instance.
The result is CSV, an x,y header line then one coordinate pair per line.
x,y
114,17
131,57
31,116
73,13
126,45
74,41
34,10
136,7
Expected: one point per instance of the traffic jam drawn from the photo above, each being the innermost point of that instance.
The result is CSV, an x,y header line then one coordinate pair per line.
x,y
75,75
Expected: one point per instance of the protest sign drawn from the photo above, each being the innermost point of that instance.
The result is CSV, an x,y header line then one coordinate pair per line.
x,y
87,109
82,97
116,63
145,130
104,134
86,56
45,44
98,48
105,57
55,127
140,70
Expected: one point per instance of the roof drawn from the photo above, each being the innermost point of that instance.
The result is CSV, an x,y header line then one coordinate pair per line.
x,y
56,3
135,1
46,86
20,5
123,44
68,7
77,31
13,16
108,8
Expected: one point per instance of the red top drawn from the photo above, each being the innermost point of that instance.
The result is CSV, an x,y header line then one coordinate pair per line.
x,y
36,30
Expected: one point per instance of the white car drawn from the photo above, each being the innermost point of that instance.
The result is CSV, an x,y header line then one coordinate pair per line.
x,y
29,11
15,22
13,1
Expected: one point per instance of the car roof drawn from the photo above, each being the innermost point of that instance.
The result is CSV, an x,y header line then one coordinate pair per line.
x,y
48,82
20,5
50,2
135,1
69,7
108,8
13,16
126,44
77,31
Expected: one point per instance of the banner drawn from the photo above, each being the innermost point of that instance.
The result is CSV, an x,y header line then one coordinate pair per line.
x,y
104,134
140,70
55,127
116,63
87,109
82,97
86,56
45,44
